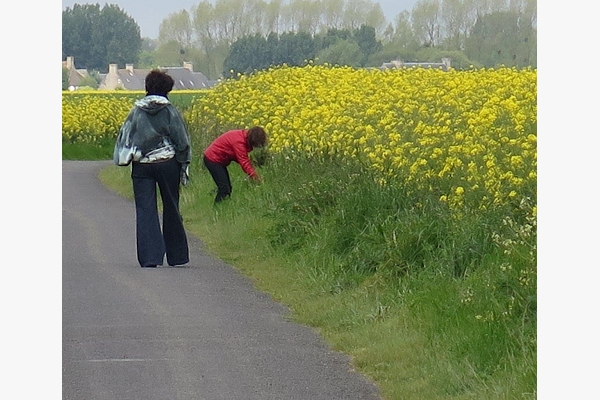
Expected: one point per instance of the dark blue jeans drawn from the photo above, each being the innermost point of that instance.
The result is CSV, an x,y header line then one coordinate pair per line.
x,y
152,243
220,175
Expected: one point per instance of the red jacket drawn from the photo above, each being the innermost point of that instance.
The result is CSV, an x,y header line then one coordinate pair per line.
x,y
231,146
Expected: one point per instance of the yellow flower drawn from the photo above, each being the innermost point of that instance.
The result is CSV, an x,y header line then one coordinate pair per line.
x,y
463,129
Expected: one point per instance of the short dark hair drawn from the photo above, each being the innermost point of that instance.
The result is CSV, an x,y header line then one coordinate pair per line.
x,y
257,136
158,82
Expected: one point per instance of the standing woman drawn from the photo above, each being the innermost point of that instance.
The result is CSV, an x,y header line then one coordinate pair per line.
x,y
155,140
232,146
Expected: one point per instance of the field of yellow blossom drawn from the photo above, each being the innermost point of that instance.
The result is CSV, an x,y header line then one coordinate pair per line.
x,y
466,135
94,117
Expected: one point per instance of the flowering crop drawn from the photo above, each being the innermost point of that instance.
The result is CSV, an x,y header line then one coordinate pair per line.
x,y
92,117
96,116
468,136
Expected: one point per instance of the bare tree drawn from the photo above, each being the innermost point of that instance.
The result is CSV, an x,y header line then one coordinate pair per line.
x,y
229,16
376,19
333,14
274,17
425,19
204,25
305,15
483,7
355,12
177,27
257,14
456,20
403,35
526,8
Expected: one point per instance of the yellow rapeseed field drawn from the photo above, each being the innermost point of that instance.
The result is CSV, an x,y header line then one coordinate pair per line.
x,y
470,136
467,135
93,117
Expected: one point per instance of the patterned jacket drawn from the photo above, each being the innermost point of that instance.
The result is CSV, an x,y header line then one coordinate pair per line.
x,y
153,131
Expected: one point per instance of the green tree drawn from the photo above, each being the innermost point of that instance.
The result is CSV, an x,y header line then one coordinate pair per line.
x,y
331,37
295,48
304,16
367,42
89,81
390,51
97,37
355,13
77,23
343,52
246,55
348,47
273,44
454,19
255,52
505,37
170,53
147,56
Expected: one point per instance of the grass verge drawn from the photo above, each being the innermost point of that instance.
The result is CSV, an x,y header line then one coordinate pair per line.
x,y
427,307
86,151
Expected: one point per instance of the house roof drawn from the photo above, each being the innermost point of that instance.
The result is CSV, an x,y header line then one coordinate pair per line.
x,y
130,78
75,74
186,79
75,77
134,79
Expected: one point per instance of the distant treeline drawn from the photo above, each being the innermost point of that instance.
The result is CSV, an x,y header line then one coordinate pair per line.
x,y
484,33
479,32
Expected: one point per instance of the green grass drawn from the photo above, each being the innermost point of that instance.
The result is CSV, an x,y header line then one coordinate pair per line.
x,y
86,151
428,305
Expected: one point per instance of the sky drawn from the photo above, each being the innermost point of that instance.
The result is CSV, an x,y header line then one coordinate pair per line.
x,y
149,13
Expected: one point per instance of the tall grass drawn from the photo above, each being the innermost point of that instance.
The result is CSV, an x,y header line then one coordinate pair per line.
x,y
465,282
431,305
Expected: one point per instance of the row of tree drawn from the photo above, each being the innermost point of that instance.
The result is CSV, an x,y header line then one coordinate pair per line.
x,y
472,32
342,47
99,36
218,37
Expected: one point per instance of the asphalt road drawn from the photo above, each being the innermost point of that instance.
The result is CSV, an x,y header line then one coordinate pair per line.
x,y
198,332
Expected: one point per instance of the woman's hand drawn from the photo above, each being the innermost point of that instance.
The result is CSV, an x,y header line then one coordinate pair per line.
x,y
184,174
256,179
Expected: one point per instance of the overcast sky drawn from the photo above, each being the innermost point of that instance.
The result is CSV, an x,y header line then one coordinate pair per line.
x,y
149,13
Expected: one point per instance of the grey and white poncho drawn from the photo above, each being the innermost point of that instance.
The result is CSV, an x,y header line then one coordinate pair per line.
x,y
153,131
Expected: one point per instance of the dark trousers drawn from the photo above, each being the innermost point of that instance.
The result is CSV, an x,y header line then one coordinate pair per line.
x,y
152,244
220,175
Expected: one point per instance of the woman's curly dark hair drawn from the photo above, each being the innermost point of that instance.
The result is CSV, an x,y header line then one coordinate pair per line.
x,y
159,83
257,137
